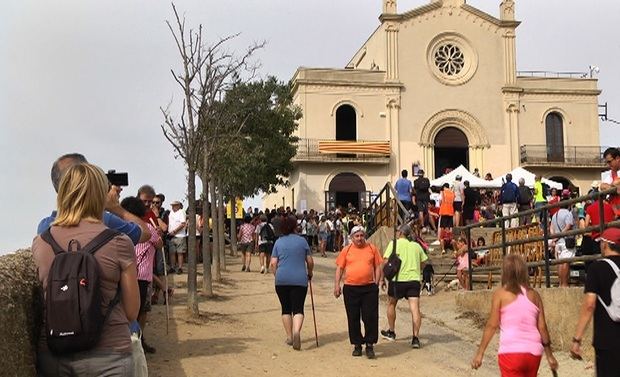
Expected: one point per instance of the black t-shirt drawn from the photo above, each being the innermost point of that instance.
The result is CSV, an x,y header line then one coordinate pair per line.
x,y
421,186
599,280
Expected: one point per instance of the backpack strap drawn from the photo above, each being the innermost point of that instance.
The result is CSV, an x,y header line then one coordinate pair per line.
x,y
47,237
100,240
613,266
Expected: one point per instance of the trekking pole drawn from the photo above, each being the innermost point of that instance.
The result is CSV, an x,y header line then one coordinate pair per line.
x,y
166,298
444,276
316,334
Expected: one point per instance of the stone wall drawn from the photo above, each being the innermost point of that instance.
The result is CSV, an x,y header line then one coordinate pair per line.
x,y
20,310
562,307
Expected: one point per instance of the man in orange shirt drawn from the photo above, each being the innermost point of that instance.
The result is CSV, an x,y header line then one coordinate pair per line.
x,y
446,213
361,264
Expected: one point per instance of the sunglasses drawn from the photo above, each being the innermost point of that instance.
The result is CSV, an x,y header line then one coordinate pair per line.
x,y
156,202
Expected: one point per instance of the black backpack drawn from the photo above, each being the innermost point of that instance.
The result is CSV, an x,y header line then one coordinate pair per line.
x,y
546,190
267,234
73,316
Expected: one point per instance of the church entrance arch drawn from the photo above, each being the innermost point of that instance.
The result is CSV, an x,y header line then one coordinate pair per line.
x,y
450,149
346,188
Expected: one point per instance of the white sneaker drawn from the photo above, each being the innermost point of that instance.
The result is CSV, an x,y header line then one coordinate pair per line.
x,y
262,270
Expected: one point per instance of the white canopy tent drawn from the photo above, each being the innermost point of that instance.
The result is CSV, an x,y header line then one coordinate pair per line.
x,y
467,176
529,177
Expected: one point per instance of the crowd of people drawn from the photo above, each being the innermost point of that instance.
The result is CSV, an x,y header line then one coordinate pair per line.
x,y
126,246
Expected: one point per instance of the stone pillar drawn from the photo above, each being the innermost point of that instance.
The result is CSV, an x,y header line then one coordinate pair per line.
x,y
510,62
393,107
512,113
391,35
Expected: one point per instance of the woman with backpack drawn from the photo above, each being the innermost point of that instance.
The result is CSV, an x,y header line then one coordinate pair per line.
x,y
87,312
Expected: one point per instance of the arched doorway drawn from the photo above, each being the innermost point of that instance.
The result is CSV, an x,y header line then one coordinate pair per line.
x,y
554,131
346,188
566,183
451,150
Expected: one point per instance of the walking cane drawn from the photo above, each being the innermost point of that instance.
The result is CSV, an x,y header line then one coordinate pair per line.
x,y
316,334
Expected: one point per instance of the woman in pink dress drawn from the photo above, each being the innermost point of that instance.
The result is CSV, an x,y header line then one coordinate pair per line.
x,y
518,311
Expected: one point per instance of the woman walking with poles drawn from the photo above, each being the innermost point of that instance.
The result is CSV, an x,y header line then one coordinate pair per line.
x,y
361,264
518,311
292,264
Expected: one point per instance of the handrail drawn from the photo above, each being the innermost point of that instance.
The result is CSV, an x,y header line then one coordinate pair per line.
x,y
382,203
544,212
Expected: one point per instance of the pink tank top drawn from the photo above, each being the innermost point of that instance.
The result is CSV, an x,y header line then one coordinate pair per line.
x,y
519,327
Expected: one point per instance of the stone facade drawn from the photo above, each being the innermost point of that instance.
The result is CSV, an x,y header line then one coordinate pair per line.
x,y
439,84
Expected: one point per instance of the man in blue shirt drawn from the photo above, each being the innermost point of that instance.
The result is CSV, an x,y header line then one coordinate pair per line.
x,y
115,217
403,189
509,197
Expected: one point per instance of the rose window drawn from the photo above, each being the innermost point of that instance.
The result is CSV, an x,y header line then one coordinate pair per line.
x,y
449,59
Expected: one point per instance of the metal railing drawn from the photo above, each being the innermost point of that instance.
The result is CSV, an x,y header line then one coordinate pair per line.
x,y
552,74
384,209
308,150
543,213
571,155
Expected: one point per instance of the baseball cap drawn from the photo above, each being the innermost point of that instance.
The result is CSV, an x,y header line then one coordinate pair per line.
x,y
175,203
611,235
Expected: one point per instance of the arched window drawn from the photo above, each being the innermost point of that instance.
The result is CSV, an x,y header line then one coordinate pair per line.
x,y
554,130
346,127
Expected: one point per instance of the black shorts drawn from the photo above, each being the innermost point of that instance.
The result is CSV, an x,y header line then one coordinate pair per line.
x,y
158,266
422,206
407,204
446,221
292,298
458,206
404,289
266,248
143,286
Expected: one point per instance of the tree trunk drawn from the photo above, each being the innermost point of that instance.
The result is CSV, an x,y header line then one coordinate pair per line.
x,y
233,226
215,246
207,279
221,227
192,301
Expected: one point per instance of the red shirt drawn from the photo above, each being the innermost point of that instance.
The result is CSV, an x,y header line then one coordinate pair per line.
x,y
553,211
148,216
595,219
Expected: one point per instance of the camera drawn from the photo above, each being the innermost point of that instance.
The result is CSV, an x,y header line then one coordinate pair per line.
x,y
117,179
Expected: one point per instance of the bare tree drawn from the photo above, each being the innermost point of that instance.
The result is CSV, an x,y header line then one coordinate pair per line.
x,y
207,71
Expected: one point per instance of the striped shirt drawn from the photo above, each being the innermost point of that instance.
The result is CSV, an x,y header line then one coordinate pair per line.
x,y
145,254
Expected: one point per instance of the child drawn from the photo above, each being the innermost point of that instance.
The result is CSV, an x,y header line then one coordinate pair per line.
x,y
462,268
445,240
481,254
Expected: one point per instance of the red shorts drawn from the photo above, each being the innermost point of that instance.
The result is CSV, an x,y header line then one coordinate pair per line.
x,y
518,364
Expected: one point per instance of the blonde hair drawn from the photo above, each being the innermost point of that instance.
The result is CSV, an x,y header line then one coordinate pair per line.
x,y
81,194
514,274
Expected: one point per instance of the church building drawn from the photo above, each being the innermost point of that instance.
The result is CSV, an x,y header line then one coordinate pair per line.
x,y
433,88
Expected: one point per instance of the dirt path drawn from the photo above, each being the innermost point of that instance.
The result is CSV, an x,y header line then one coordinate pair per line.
x,y
241,334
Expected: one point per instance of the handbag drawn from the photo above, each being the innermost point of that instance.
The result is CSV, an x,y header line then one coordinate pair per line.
x,y
392,266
